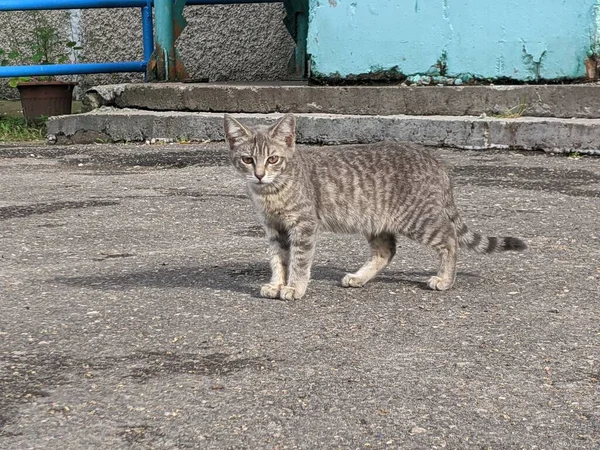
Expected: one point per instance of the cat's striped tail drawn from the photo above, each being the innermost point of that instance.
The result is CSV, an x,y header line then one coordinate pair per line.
x,y
484,244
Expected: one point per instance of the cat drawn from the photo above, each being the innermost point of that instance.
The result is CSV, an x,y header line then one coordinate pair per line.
x,y
380,190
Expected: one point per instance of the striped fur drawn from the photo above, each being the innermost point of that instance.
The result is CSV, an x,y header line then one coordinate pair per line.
x,y
379,190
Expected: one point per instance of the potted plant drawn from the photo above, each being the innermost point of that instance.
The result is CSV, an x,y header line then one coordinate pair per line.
x,y
42,95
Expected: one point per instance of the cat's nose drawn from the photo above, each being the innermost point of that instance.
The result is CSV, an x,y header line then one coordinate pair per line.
x,y
259,176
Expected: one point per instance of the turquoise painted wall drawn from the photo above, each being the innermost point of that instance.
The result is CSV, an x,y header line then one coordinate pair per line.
x,y
519,39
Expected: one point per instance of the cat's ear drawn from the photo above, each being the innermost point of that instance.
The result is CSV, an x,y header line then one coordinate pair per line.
x,y
234,131
284,130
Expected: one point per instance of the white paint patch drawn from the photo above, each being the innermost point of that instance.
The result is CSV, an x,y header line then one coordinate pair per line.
x,y
76,34
313,105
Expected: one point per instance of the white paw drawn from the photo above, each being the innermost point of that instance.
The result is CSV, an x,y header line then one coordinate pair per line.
x,y
290,293
352,281
270,291
439,284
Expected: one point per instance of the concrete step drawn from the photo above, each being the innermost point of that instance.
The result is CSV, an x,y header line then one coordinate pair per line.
x,y
564,101
107,124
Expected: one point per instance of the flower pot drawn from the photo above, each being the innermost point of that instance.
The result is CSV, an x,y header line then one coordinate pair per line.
x,y
46,98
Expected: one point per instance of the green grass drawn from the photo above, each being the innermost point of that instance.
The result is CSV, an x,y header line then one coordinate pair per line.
x,y
514,112
14,129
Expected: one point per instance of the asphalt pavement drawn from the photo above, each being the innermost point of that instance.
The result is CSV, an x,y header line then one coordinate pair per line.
x,y
129,314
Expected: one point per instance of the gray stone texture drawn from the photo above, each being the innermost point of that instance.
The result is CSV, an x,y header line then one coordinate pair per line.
x,y
111,35
505,101
236,42
108,124
222,42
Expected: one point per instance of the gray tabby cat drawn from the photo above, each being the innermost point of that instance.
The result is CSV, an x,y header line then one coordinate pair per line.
x,y
379,190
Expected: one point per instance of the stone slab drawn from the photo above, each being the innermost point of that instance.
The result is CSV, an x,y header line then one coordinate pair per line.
x,y
562,101
528,133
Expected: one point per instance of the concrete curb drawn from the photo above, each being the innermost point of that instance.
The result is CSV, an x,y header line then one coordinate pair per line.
x,y
564,101
528,133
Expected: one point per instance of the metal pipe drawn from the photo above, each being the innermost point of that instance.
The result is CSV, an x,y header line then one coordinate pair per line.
x,y
147,32
228,2
28,5
165,39
72,69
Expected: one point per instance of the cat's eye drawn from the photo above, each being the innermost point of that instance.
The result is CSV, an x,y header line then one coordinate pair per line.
x,y
247,160
273,159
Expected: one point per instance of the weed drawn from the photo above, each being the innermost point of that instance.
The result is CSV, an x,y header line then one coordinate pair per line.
x,y
14,129
514,112
442,64
45,46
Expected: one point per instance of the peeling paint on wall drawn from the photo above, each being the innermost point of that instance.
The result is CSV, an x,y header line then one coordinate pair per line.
x,y
533,67
498,39
499,65
592,61
596,23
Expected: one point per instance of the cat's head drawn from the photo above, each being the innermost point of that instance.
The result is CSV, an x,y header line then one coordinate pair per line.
x,y
262,153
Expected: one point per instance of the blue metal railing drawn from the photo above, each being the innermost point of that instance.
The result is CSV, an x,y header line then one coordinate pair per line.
x,y
24,5
104,67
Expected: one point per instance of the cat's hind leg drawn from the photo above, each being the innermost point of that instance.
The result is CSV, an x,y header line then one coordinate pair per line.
x,y
444,241
383,249
280,252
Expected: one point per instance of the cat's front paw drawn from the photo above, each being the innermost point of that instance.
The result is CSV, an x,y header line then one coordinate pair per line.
x,y
350,280
439,284
290,293
270,290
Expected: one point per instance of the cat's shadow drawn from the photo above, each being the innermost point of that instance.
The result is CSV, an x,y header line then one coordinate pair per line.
x,y
243,278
